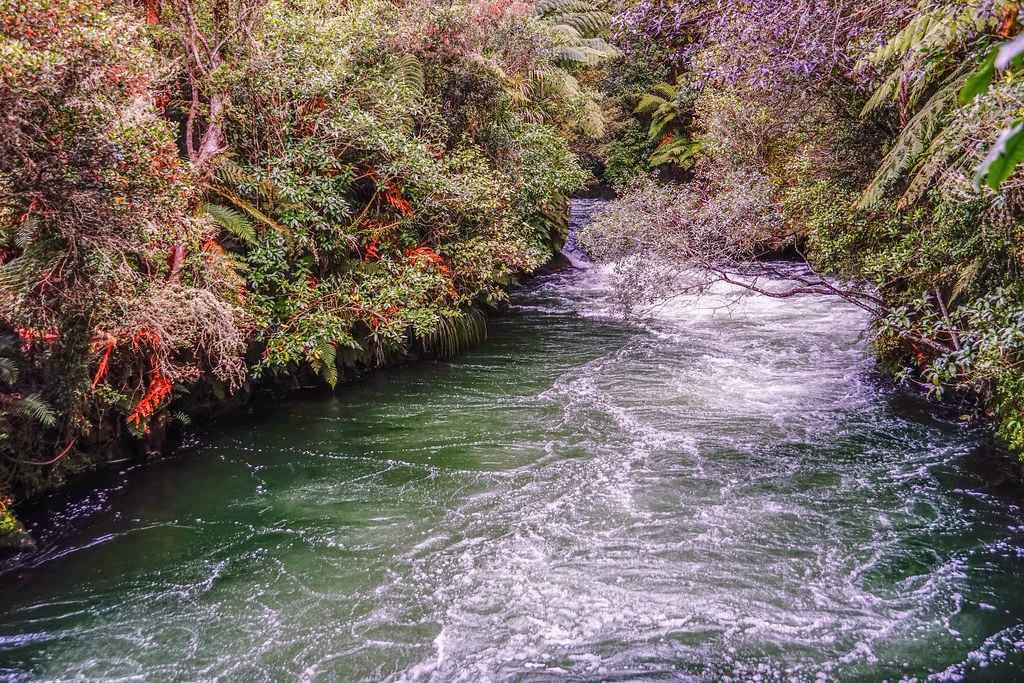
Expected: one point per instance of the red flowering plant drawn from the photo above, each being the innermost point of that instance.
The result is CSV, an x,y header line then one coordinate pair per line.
x,y
104,277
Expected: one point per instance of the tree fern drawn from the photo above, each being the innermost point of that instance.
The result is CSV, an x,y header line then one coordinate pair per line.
x,y
914,140
939,30
666,105
920,51
547,7
933,164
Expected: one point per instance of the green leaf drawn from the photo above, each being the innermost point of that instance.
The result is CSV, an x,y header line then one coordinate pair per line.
x,y
649,103
1002,159
981,79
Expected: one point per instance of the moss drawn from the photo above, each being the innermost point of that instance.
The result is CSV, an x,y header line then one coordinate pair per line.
x,y
8,523
12,534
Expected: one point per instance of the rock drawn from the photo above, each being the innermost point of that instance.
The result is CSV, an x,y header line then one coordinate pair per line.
x,y
556,264
13,536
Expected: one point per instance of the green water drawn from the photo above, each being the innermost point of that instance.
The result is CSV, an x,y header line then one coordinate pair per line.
x,y
718,493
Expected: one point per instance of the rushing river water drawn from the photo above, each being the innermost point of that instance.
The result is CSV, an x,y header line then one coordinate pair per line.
x,y
724,492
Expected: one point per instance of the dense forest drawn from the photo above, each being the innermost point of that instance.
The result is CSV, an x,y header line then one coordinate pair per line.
x,y
201,197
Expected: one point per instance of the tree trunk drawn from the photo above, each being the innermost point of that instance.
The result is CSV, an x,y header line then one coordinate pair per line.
x,y
212,143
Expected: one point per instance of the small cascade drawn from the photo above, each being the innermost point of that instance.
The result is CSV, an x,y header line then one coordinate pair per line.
x,y
583,211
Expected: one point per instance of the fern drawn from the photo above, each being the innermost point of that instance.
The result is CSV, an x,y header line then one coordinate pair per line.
x,y
563,6
966,276
665,115
231,173
934,163
883,93
9,370
649,103
247,207
664,106
580,31
914,140
681,152
410,74
585,54
24,272
35,408
232,221
454,334
325,355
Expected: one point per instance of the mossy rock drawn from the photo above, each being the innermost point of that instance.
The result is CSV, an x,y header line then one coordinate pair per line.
x,y
13,536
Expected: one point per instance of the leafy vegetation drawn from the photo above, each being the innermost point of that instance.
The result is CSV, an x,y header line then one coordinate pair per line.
x,y
200,194
879,140
196,193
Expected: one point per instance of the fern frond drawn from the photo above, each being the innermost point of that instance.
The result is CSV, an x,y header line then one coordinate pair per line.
x,y
35,408
9,370
234,222
666,90
247,207
934,163
649,104
579,30
682,152
966,277
581,54
454,334
545,7
22,273
914,140
410,73
589,24
885,92
25,232
563,34
232,173
664,116
325,355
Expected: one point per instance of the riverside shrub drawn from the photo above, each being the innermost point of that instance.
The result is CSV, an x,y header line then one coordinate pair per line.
x,y
194,192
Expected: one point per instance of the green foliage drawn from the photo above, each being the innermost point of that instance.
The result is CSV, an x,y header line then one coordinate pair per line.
x,y
235,223
627,156
923,135
681,151
457,333
359,178
935,251
580,31
1003,158
8,522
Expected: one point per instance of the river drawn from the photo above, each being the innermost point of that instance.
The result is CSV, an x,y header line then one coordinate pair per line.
x,y
726,491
